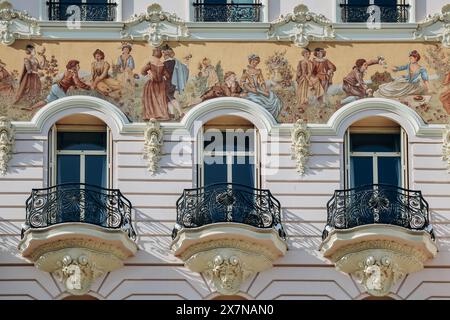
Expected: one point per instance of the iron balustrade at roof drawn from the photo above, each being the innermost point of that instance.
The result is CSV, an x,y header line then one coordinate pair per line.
x,y
228,202
387,13
230,12
377,204
81,11
78,202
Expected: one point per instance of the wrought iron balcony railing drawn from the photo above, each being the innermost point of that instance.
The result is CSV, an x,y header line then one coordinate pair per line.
x,y
232,12
228,202
84,203
377,204
86,11
387,13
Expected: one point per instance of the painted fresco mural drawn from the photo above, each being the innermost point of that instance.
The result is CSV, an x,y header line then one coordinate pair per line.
x,y
164,83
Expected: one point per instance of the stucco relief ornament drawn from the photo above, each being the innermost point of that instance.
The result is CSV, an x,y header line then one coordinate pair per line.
x,y
77,274
378,275
446,147
227,273
7,137
16,24
435,27
162,26
300,136
153,136
301,27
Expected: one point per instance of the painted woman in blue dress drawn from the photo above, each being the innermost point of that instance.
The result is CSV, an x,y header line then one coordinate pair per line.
x,y
409,84
253,83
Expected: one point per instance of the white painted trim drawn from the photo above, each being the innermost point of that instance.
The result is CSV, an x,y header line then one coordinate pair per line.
x,y
44,119
205,111
265,10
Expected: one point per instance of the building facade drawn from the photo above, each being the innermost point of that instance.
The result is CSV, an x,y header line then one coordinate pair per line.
x,y
253,149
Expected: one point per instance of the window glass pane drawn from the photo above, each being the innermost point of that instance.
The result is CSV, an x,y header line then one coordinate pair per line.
x,y
229,140
68,167
244,171
385,2
389,171
82,141
215,1
215,170
95,170
358,2
375,143
361,171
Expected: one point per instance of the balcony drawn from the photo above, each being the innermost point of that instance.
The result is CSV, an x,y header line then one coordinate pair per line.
x,y
228,232
78,232
78,11
378,234
386,13
234,12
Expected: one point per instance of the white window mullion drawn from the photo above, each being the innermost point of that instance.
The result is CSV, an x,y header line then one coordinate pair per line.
x,y
82,168
375,168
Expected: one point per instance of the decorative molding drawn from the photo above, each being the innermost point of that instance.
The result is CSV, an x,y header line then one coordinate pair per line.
x,y
76,253
301,27
159,26
435,27
446,146
228,253
7,138
153,137
43,120
300,136
16,24
77,268
378,255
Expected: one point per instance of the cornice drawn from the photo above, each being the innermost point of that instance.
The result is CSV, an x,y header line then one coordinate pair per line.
x,y
301,27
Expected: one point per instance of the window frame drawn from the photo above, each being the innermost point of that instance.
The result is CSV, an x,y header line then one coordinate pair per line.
x,y
229,155
54,152
403,154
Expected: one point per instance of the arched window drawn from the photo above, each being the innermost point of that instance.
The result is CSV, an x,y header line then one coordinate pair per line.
x,y
376,153
230,152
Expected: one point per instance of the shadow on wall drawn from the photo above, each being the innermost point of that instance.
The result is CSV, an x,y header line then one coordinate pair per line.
x,y
9,240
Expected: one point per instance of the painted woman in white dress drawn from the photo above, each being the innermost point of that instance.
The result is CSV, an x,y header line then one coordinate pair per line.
x,y
254,85
408,84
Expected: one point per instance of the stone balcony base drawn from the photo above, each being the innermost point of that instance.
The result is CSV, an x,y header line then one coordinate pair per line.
x,y
378,255
77,253
228,253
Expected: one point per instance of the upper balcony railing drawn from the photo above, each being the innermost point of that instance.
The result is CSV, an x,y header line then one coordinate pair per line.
x,y
377,204
231,12
228,202
106,208
76,11
386,13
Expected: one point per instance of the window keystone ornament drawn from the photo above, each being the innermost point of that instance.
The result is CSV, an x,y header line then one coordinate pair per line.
x,y
446,146
155,26
301,27
153,136
300,136
7,138
16,24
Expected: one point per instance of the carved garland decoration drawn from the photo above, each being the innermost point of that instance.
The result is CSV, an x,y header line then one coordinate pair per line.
x,y
15,24
446,147
153,136
300,136
156,32
6,143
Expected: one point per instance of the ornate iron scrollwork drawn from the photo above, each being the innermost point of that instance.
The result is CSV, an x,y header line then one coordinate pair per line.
x,y
377,204
77,202
228,202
